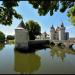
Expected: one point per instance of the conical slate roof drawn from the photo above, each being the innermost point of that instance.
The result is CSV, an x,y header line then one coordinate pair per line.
x,y
62,25
21,25
52,27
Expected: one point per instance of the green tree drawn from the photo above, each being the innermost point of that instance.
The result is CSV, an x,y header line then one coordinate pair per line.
x,y
10,37
33,28
71,15
7,11
2,46
51,6
2,37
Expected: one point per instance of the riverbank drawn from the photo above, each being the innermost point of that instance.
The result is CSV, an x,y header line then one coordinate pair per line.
x,y
10,42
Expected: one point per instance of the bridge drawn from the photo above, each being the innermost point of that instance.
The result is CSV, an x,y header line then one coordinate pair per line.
x,y
67,43
45,42
38,43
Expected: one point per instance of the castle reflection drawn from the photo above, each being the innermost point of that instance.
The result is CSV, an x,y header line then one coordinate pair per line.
x,y
59,52
26,63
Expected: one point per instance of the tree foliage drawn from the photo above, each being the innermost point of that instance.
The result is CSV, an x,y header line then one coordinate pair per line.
x,y
2,46
51,6
7,12
71,15
10,37
33,28
2,37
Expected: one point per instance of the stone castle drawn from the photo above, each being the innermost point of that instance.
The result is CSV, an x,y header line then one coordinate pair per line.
x,y
59,33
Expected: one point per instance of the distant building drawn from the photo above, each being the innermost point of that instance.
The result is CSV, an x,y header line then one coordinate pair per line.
x,y
43,36
55,34
66,35
58,33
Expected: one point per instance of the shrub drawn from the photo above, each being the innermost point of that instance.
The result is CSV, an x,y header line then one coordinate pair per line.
x,y
2,46
10,37
2,37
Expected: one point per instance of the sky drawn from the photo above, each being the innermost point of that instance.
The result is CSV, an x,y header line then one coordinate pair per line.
x,y
29,13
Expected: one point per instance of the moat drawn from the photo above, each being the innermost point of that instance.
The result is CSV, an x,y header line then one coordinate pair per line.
x,y
44,61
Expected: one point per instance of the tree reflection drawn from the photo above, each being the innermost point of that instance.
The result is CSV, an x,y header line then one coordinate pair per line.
x,y
26,63
1,46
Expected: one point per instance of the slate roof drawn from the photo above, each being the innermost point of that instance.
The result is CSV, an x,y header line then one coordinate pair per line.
x,y
62,25
52,27
21,25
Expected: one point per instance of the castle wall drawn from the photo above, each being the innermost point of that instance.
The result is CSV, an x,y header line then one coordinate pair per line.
x,y
66,36
61,34
21,38
57,36
52,34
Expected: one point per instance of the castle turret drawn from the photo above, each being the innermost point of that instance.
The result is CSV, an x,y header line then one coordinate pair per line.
x,y
52,33
66,35
21,36
62,32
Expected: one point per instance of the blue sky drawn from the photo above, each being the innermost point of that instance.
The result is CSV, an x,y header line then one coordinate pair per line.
x,y
29,13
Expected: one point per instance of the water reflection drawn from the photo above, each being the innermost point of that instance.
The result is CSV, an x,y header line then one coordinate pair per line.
x,y
2,46
40,62
73,46
59,52
26,63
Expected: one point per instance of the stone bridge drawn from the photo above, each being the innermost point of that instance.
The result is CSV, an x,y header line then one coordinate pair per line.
x,y
68,43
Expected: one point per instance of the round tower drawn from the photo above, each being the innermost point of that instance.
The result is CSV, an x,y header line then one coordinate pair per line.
x,y
52,33
62,32
21,37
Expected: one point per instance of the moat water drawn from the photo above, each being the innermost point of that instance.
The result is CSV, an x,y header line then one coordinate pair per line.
x,y
44,61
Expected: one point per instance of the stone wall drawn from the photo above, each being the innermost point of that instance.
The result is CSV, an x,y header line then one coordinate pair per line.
x,y
21,38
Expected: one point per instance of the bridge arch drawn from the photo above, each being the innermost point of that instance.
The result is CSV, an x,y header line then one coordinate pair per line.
x,y
71,46
52,44
61,45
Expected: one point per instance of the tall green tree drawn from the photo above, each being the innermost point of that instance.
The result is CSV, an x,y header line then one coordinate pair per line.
x,y
33,28
2,37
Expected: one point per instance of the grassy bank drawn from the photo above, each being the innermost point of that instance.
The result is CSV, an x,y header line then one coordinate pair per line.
x,y
10,42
